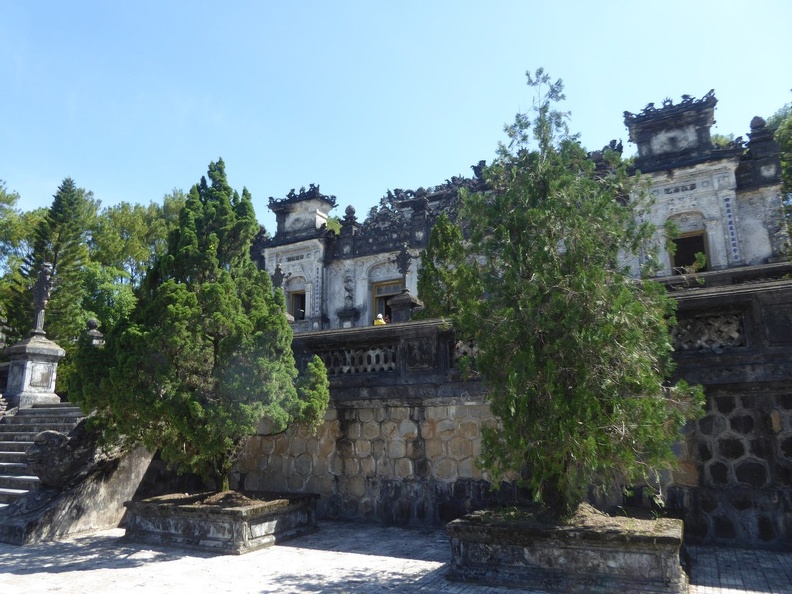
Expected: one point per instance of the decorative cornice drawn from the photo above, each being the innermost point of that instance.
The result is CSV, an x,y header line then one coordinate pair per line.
x,y
650,112
312,193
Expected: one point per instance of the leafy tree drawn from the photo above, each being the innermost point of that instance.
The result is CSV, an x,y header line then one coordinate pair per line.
x,y
334,224
16,240
106,299
129,237
722,140
9,217
206,353
573,351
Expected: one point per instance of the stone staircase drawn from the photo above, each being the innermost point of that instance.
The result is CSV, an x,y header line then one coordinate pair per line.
x,y
16,435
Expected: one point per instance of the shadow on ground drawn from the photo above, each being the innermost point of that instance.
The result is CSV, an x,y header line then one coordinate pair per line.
x,y
358,583
427,544
84,553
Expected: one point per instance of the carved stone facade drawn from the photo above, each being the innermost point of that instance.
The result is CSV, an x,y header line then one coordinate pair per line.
x,y
401,437
724,201
734,337
400,440
343,280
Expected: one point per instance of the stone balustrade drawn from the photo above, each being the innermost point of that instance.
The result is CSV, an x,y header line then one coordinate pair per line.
x,y
401,436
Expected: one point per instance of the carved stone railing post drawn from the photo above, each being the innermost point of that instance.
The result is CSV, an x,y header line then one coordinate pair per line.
x,y
92,333
403,305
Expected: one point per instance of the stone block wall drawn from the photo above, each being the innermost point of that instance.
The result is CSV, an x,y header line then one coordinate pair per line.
x,y
736,484
388,462
733,337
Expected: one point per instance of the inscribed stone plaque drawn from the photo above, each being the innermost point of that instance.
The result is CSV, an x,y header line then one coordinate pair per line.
x,y
41,375
420,354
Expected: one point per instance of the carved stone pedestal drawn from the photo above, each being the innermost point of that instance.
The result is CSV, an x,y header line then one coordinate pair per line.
x,y
32,370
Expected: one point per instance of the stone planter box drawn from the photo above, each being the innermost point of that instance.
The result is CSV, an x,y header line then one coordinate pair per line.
x,y
183,521
610,555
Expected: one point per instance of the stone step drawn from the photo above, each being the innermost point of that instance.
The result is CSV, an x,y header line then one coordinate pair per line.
x,y
16,435
13,468
26,436
8,496
13,457
35,428
22,482
14,446
52,405
40,420
46,413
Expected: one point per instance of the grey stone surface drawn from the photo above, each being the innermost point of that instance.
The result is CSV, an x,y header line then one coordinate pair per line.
x,y
93,502
612,554
32,369
341,557
177,520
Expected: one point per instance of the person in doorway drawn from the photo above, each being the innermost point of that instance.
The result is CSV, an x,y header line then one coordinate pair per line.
x,y
379,321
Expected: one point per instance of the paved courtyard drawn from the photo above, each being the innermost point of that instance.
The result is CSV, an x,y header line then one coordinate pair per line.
x,y
341,557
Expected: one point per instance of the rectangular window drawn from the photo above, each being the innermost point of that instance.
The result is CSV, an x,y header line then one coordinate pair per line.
x,y
381,293
297,305
687,246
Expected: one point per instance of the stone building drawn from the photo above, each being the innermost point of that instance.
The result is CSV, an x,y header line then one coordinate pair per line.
x,y
343,280
402,433
725,202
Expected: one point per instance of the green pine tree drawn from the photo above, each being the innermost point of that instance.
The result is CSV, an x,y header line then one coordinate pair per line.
x,y
206,354
60,238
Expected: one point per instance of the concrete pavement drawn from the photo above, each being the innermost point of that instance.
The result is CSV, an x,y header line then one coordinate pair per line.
x,y
341,557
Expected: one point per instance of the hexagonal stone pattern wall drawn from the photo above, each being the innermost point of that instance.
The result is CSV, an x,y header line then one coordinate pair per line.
x,y
397,464
736,480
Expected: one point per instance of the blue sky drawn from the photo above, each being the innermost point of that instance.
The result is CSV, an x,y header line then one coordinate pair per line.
x,y
134,99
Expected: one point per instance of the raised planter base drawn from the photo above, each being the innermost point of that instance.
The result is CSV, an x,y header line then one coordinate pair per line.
x,y
592,553
184,520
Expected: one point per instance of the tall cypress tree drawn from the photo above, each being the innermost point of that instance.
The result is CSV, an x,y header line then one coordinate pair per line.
x,y
206,354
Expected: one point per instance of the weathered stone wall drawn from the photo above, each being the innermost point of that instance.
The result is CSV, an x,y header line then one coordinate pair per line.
x,y
400,440
735,481
401,437
376,461
740,460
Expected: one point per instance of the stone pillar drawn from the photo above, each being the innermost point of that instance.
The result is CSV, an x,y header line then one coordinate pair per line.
x,y
402,306
32,368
